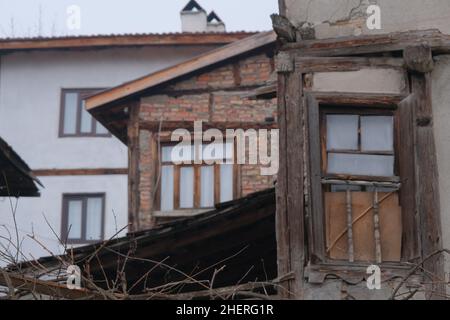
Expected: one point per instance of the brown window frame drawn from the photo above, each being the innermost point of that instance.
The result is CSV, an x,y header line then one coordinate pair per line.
x,y
197,182
316,105
82,93
64,221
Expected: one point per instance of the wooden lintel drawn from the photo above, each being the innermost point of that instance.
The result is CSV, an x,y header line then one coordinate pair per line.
x,y
367,44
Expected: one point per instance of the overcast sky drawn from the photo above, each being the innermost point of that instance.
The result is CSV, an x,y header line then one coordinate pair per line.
x,y
22,18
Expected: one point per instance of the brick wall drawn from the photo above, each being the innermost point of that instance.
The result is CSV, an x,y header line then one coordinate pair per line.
x,y
213,96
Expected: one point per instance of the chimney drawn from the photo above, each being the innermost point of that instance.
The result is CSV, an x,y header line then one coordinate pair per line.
x,y
193,18
214,23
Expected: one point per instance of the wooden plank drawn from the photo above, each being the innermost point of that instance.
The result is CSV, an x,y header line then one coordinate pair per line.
x,y
406,165
281,193
334,64
316,201
357,45
229,51
358,99
295,167
390,219
80,172
133,168
427,182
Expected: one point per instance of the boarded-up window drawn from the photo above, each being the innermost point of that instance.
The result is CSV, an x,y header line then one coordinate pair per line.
x,y
363,218
185,184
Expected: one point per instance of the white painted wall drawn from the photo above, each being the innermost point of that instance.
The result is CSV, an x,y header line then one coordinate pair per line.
x,y
31,213
441,119
335,18
30,91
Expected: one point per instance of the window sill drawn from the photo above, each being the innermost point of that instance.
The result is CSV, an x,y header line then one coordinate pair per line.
x,y
180,213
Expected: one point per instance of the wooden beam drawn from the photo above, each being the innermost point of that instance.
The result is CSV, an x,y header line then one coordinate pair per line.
x,y
80,172
419,58
295,110
427,184
48,288
133,168
221,125
357,45
334,64
290,209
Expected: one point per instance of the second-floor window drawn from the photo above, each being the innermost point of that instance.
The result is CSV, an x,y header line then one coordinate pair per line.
x,y
75,121
195,186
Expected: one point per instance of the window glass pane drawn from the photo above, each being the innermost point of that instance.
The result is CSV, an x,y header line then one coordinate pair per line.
x,y
94,218
74,216
207,187
369,165
167,188
70,113
342,132
377,133
86,120
217,151
226,182
186,187
100,129
179,154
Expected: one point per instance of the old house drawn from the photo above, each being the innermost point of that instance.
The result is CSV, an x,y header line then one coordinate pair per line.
x,y
43,82
363,174
210,88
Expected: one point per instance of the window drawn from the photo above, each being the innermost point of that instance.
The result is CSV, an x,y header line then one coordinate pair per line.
x,y
75,121
361,179
83,218
359,182
196,186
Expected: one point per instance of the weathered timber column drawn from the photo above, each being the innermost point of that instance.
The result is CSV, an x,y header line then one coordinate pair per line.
x,y
290,209
419,61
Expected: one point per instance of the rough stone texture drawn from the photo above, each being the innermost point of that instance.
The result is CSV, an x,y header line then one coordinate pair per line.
x,y
336,18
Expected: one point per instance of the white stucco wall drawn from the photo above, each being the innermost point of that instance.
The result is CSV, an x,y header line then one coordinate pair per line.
x,y
30,212
334,18
30,91
364,80
441,119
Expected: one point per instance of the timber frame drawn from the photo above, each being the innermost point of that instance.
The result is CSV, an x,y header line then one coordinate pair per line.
x,y
300,237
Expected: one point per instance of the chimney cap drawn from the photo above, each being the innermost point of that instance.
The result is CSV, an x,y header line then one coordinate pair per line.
x,y
213,16
192,4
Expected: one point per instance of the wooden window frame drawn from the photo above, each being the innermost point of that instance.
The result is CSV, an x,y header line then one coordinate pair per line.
x,y
197,182
315,103
65,212
78,134
325,110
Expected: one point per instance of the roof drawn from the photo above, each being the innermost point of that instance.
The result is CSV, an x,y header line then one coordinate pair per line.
x,y
202,61
213,16
115,40
16,179
192,5
238,235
